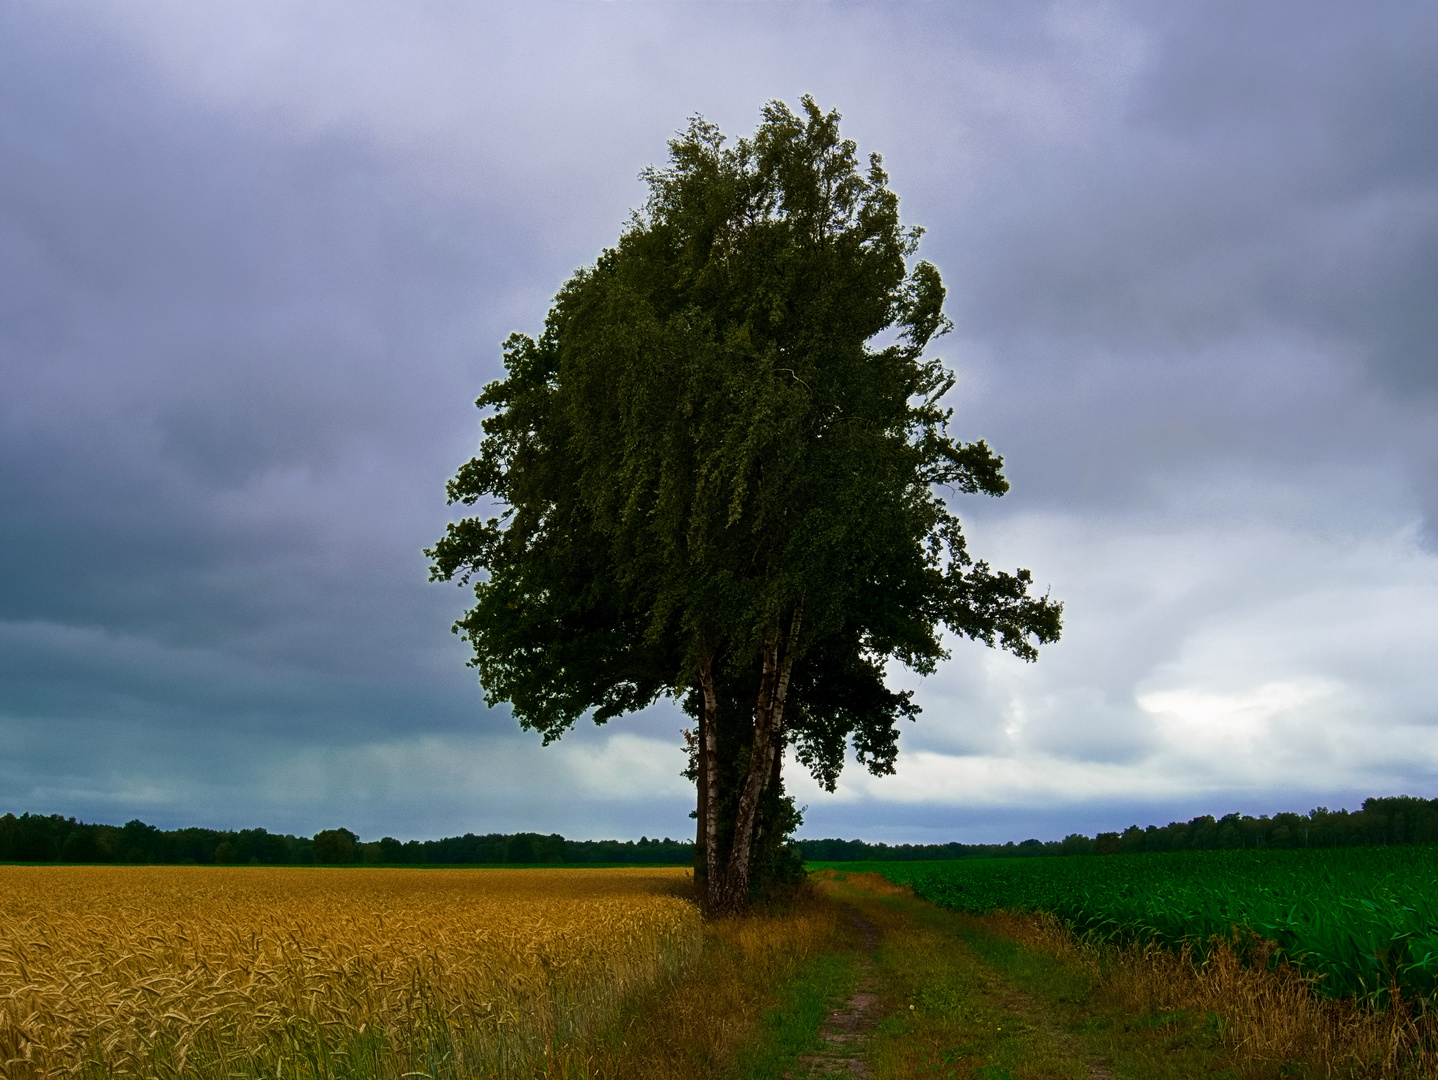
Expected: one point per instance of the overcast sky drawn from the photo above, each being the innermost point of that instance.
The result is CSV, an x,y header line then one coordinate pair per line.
x,y
256,260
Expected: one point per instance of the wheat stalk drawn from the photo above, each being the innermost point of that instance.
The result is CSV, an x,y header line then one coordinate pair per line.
x,y
207,971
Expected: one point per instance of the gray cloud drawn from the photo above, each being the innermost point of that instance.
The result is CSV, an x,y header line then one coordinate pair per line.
x,y
255,261
1236,265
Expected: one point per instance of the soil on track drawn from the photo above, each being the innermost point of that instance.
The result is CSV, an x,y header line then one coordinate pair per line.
x,y
847,1028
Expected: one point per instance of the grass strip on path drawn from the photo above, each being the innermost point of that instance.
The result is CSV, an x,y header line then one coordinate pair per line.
x,y
961,1000
1130,1010
791,1030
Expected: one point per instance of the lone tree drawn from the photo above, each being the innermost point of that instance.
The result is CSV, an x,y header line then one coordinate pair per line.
x,y
711,481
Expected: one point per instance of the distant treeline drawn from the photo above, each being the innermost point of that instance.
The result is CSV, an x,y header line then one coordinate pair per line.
x,y
1401,819
52,838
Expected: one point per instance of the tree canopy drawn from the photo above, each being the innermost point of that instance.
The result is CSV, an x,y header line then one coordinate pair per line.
x,y
720,474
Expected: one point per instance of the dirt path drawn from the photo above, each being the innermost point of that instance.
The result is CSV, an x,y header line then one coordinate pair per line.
x,y
846,1029
940,995
1023,1005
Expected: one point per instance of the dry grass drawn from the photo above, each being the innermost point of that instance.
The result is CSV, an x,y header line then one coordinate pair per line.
x,y
200,971
1270,1016
692,1026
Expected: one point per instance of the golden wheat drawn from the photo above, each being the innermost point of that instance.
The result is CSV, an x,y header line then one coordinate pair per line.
x,y
206,971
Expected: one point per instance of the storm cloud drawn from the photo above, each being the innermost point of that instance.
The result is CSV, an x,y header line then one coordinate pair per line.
x,y
256,260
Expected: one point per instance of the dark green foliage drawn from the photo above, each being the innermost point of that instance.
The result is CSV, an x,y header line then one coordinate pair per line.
x,y
1364,919
778,861
702,432
1400,819
391,850
705,474
50,838
36,838
336,846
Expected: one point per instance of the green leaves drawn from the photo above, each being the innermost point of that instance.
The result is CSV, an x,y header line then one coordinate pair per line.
x,y
703,440
1362,919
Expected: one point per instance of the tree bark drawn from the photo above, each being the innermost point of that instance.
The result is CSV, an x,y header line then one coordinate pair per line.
x,y
768,733
709,783
701,816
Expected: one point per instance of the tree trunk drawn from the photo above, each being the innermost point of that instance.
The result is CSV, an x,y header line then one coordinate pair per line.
x,y
709,784
735,893
701,816
768,736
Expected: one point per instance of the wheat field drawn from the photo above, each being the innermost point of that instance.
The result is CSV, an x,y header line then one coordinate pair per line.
x,y
299,973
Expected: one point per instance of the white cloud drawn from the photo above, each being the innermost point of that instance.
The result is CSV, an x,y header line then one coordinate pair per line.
x,y
1199,656
1241,734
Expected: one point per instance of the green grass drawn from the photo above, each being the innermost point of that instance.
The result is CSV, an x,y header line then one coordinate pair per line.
x,y
1363,919
791,1029
963,1002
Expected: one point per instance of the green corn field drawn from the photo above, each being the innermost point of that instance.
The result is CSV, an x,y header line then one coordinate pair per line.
x,y
1364,920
